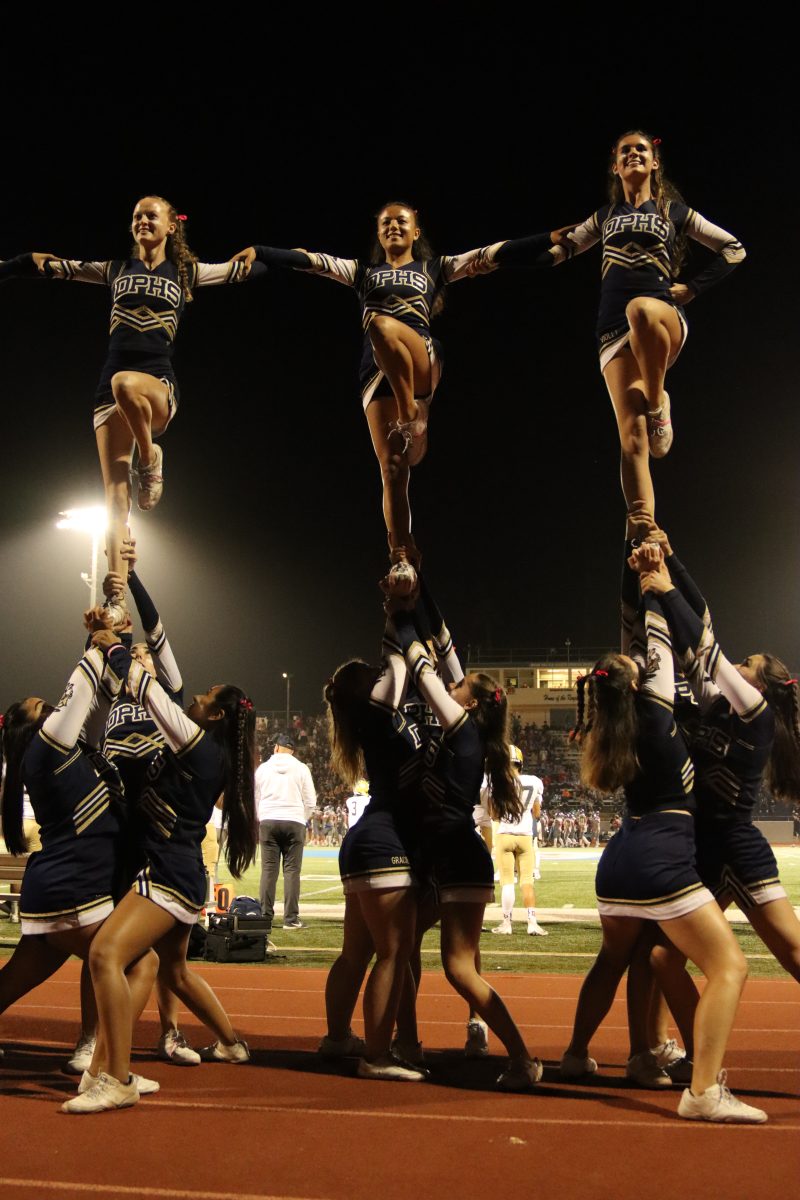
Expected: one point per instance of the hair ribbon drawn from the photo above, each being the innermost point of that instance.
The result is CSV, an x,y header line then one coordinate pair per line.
x,y
182,216
601,672
786,683
498,695
246,704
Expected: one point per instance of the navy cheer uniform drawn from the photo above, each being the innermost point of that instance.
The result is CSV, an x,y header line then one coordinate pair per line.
x,y
182,784
731,742
146,307
454,855
132,738
75,793
638,257
379,850
648,869
405,293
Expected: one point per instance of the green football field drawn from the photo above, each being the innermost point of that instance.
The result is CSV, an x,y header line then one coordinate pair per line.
x,y
567,884
567,878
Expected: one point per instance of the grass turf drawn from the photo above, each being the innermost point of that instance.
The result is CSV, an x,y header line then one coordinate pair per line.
x,y
567,882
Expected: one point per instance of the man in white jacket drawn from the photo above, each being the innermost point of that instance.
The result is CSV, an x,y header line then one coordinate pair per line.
x,y
285,798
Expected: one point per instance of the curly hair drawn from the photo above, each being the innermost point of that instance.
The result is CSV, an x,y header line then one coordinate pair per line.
x,y
177,249
421,248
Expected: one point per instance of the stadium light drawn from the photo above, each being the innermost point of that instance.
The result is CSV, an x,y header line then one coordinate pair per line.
x,y
92,521
288,679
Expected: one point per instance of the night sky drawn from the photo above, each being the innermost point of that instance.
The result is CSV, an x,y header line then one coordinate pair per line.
x,y
265,552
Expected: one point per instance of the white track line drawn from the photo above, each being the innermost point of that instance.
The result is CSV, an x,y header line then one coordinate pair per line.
x,y
371,1114
117,1189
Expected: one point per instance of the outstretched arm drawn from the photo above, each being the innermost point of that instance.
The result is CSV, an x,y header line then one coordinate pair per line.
x,y
167,671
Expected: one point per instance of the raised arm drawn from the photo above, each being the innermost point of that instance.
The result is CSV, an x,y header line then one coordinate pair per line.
x,y
180,732
450,666
91,687
167,671
390,688
447,711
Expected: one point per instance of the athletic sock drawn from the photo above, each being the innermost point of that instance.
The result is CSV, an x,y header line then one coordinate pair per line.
x,y
507,901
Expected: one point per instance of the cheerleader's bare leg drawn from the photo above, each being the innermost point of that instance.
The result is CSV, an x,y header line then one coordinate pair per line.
x,y
347,973
389,915
705,937
190,988
461,931
33,962
143,403
626,389
620,935
656,336
122,969
115,447
395,474
779,929
402,355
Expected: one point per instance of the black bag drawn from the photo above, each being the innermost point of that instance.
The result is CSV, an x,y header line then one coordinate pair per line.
x,y
227,946
231,922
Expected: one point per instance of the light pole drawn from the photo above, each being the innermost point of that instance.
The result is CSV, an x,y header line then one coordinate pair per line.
x,y
568,644
288,679
92,521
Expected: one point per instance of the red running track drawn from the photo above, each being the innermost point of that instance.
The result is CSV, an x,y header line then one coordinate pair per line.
x,y
290,1126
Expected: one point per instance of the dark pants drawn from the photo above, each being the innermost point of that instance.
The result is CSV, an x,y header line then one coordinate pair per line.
x,y
281,839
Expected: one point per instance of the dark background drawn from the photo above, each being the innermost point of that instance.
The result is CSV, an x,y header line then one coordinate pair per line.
x,y
265,551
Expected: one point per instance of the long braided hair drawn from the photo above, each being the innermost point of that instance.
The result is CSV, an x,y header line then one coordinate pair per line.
x,y
177,248
491,717
662,189
781,693
236,737
607,725
16,734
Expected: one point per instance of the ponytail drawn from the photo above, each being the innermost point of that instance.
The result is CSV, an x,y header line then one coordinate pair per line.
x,y
236,736
16,732
781,693
491,717
607,725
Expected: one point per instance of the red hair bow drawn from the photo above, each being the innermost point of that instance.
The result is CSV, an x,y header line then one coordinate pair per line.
x,y
247,705
498,695
786,683
602,672
2,720
656,141
182,216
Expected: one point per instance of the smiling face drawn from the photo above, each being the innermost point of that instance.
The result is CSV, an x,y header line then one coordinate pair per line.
x,y
151,223
634,158
397,230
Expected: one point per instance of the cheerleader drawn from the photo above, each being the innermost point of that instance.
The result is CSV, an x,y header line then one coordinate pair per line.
x,y
746,729
70,883
399,290
641,327
137,393
370,735
473,717
646,873
209,749
514,849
